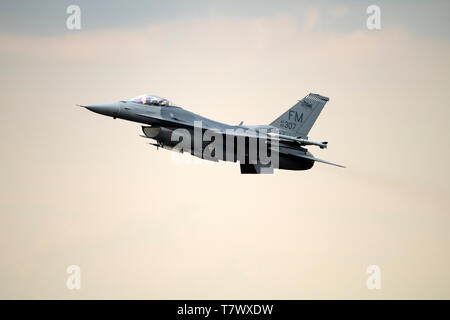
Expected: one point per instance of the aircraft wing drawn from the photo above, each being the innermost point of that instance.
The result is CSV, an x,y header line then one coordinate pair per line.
x,y
281,139
253,134
272,136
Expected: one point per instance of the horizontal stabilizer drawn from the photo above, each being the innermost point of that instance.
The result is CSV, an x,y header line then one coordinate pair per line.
x,y
310,157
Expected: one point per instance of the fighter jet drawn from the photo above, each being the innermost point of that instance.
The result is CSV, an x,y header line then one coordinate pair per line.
x,y
283,141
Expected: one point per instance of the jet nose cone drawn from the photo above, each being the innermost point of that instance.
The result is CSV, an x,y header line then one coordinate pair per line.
x,y
107,109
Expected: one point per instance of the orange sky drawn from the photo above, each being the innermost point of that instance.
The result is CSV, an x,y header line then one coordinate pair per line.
x,y
79,188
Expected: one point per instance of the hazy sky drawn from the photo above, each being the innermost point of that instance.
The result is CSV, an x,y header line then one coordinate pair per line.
x,y
81,189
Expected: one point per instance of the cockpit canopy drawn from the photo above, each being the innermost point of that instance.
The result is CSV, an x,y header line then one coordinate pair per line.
x,y
152,100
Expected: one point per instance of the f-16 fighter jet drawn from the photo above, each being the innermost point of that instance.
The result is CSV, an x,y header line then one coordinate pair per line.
x,y
258,148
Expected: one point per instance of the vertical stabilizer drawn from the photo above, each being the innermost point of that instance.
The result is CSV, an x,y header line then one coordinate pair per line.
x,y
298,120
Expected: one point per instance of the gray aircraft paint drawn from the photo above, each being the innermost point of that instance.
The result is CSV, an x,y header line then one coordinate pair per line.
x,y
288,132
299,119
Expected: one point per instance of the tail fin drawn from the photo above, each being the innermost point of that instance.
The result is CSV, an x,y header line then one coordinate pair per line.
x,y
299,119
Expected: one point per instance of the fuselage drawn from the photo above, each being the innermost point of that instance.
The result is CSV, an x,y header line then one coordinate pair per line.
x,y
167,119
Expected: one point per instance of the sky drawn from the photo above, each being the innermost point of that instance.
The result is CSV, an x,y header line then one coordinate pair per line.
x,y
82,189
